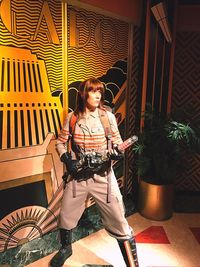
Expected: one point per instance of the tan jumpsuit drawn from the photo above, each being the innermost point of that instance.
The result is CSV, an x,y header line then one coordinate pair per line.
x,y
89,136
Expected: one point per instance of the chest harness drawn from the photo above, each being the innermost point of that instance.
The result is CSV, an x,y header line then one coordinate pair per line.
x,y
103,115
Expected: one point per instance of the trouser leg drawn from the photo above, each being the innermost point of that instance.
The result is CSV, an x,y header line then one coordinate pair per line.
x,y
71,211
129,252
66,249
113,212
72,207
113,217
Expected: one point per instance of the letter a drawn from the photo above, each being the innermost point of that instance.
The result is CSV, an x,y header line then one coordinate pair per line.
x,y
51,31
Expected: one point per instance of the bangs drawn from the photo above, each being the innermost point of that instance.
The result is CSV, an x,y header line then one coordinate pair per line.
x,y
94,85
95,88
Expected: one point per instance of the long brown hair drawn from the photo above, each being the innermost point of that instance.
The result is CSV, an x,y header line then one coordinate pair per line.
x,y
91,84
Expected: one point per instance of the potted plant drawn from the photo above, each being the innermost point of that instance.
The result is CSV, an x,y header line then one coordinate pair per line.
x,y
159,148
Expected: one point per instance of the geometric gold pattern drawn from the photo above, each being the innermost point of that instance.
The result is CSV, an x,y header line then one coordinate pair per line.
x,y
132,104
27,109
95,43
186,95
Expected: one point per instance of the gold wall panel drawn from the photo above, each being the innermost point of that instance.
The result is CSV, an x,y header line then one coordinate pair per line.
x,y
31,77
35,25
95,43
186,98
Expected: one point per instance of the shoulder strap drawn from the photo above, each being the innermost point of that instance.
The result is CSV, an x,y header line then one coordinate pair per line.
x,y
106,125
105,122
72,123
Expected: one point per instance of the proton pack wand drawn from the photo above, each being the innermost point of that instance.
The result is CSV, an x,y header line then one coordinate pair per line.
x,y
127,143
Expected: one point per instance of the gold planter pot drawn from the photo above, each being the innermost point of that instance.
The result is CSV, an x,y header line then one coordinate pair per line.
x,y
155,201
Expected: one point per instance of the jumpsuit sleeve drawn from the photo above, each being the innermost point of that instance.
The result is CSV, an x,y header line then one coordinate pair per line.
x,y
116,137
61,142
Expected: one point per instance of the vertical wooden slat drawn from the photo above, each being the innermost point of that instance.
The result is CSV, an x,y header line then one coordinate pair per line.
x,y
162,74
146,56
155,66
171,66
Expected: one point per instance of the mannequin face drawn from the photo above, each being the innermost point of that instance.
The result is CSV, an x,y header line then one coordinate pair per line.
x,y
93,99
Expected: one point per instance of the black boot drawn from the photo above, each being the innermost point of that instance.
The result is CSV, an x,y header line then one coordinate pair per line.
x,y
65,251
129,252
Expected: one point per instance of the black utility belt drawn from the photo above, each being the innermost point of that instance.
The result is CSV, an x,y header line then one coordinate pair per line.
x,y
88,165
93,167
94,160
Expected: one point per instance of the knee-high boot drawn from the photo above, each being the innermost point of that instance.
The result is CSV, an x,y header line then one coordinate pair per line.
x,y
66,249
129,252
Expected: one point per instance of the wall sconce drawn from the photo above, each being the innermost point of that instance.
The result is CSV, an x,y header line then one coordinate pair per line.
x,y
160,14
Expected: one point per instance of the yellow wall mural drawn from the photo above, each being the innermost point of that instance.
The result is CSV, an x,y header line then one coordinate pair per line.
x,y
31,102
98,47
95,43
28,110
30,118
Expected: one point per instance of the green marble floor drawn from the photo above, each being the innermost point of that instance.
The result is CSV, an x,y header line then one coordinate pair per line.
x,y
90,222
36,249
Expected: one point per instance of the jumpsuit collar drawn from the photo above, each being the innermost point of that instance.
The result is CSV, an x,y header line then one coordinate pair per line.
x,y
93,114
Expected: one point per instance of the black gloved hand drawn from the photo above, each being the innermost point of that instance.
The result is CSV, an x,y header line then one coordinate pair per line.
x,y
71,164
116,154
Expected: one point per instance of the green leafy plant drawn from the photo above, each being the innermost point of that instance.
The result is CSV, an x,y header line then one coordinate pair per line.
x,y
160,146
